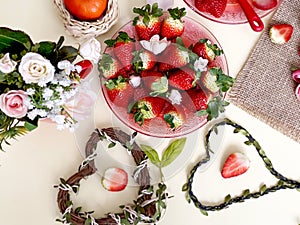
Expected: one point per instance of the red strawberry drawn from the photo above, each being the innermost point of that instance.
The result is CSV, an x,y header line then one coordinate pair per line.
x,y
148,22
198,98
172,26
174,116
174,56
281,33
86,68
203,48
265,4
235,165
114,179
143,60
209,81
182,79
149,77
123,47
110,67
214,7
119,91
147,108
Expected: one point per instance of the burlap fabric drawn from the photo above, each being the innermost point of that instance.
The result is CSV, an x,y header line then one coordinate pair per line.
x,y
264,87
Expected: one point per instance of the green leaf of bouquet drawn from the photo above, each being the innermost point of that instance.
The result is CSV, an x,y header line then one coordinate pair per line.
x,y
172,151
151,154
67,53
14,41
46,48
30,126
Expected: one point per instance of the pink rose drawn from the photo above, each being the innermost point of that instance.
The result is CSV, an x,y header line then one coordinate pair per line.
x,y
81,105
13,104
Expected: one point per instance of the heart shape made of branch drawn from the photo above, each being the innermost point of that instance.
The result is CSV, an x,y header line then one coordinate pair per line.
x,y
283,182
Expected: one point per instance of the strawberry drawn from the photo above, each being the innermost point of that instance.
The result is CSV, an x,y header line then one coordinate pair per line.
x,y
214,7
172,26
281,33
175,56
119,91
148,22
174,116
110,67
123,47
209,81
264,4
147,108
182,79
203,48
235,165
86,68
114,179
143,60
198,98
139,92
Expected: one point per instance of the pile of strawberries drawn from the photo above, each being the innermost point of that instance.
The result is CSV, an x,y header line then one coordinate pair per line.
x,y
157,74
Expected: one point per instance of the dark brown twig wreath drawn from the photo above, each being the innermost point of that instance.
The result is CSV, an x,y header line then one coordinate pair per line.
x,y
146,208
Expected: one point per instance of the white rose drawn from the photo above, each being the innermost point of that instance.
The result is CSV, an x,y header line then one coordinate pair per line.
x,y
6,64
91,49
34,68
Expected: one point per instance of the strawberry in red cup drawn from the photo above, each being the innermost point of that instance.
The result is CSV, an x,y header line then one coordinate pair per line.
x,y
265,4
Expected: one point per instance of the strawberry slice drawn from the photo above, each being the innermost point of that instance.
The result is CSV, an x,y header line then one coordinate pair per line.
x,y
235,165
214,7
281,33
123,47
148,22
172,26
86,68
265,4
114,179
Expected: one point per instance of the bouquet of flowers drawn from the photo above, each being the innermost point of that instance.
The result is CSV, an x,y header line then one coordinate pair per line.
x,y
42,80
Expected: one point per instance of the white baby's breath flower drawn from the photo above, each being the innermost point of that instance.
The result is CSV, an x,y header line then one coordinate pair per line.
x,y
47,93
175,97
201,64
49,104
32,114
155,45
30,91
66,66
59,89
7,65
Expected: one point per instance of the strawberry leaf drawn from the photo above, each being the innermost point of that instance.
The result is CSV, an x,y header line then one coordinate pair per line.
x,y
172,152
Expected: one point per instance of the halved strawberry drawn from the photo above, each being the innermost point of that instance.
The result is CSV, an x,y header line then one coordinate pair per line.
x,y
110,68
147,108
265,4
205,49
123,47
281,33
114,179
214,7
143,60
172,26
235,165
174,116
175,56
86,68
182,79
119,91
148,22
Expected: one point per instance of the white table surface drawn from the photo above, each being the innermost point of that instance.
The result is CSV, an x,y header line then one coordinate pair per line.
x,y
32,165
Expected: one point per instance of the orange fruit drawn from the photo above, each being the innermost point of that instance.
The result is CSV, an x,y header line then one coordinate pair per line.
x,y
86,9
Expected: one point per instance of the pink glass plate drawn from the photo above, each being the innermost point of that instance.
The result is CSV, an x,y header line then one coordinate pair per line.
x,y
193,32
233,13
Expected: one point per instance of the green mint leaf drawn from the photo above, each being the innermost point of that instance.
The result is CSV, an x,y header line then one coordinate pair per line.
x,y
172,151
151,154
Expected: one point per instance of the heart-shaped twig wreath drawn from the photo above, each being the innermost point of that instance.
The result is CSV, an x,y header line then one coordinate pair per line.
x,y
146,208
283,182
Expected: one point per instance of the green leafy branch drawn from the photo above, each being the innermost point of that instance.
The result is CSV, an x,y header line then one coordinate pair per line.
x,y
282,183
